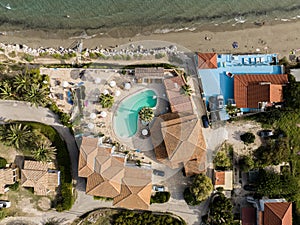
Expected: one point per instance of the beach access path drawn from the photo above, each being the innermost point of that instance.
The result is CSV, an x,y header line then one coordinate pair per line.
x,y
23,111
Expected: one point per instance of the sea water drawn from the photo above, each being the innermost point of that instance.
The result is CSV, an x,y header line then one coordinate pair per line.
x,y
139,16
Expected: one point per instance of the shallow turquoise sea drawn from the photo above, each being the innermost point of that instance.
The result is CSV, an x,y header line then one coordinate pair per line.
x,y
159,14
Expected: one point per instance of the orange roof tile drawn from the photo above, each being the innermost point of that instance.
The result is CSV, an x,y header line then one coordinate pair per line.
x,y
219,177
129,186
278,213
178,140
207,60
250,89
36,174
178,101
248,216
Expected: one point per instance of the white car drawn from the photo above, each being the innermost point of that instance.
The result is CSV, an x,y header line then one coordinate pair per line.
x,y
158,188
5,204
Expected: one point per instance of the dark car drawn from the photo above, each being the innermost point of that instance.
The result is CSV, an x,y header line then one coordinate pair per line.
x,y
250,187
205,121
265,133
159,173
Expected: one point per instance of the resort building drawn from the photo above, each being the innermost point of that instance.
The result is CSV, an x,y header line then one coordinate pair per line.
x,y
248,216
258,90
8,176
223,179
179,102
38,176
218,71
177,136
109,175
275,212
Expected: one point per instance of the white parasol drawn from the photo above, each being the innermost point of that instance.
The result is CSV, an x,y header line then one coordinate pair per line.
x,y
91,126
105,92
65,84
103,114
93,116
112,83
144,132
97,80
127,86
118,93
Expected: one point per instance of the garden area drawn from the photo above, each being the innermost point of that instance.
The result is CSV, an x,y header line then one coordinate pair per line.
x,y
41,142
128,217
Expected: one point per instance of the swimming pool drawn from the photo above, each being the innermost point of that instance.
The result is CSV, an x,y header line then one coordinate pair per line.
x,y
126,115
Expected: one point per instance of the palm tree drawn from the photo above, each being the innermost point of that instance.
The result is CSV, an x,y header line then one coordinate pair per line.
x,y
17,135
146,114
6,90
186,89
22,83
36,95
44,152
107,100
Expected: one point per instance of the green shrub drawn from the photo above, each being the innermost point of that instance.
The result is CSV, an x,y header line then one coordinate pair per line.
x,y
28,57
248,137
3,163
14,187
160,197
189,197
102,198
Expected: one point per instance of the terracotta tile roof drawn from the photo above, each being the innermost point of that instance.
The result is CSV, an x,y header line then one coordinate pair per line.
x,y
178,140
142,72
248,216
110,177
219,177
8,176
254,88
136,189
207,61
178,101
223,179
37,175
278,213
195,166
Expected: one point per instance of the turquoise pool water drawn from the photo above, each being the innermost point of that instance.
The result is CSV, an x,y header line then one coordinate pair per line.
x,y
126,116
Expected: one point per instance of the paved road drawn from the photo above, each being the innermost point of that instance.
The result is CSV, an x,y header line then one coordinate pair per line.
x,y
12,110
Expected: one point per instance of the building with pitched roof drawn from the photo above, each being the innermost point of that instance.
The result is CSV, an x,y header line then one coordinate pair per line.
x,y
277,213
178,140
274,212
207,60
8,176
248,216
108,175
38,176
223,179
179,102
258,90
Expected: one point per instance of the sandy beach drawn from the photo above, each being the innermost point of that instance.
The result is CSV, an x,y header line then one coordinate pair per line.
x,y
271,38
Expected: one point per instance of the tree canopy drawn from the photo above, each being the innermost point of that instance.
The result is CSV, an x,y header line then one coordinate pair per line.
x,y
199,191
248,138
222,161
106,100
220,212
146,114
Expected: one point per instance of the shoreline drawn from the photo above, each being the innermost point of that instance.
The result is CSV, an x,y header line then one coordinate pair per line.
x,y
276,37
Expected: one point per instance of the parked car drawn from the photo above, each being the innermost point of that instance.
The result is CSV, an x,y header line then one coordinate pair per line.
x,y
205,121
265,133
5,204
158,188
220,101
159,172
212,102
250,187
